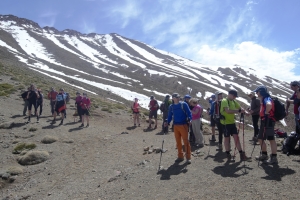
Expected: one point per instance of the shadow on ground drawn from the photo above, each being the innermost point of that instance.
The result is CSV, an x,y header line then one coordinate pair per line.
x,y
173,170
274,172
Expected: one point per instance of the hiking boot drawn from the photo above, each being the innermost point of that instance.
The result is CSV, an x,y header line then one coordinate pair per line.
x,y
263,157
149,127
155,127
272,160
53,121
134,125
139,125
188,162
220,147
199,145
27,122
213,138
82,125
178,160
38,120
61,122
243,157
228,157
87,125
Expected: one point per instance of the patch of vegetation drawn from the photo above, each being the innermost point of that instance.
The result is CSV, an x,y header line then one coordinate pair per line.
x,y
6,89
106,109
23,146
119,106
32,129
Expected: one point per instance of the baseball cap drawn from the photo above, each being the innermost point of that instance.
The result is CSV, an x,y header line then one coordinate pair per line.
x,y
233,92
175,95
213,96
167,96
218,92
295,83
250,93
151,97
260,88
77,92
187,96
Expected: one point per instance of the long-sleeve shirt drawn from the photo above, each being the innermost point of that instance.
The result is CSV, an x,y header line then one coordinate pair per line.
x,y
255,106
85,103
180,113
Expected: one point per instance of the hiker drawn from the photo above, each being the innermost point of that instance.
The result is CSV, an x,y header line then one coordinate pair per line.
x,y
39,102
32,97
164,107
267,124
295,85
196,122
192,137
136,112
212,121
78,106
229,107
254,111
181,115
85,109
153,106
60,106
215,111
52,97
24,96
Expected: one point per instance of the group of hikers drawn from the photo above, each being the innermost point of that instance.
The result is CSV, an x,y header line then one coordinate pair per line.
x,y
186,115
34,98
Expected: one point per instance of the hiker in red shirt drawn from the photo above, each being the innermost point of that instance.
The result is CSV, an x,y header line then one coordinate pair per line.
x,y
153,106
52,97
136,112
85,109
77,104
267,124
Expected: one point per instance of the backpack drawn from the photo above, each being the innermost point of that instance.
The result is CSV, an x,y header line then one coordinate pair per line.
x,y
67,97
157,105
162,107
289,144
279,112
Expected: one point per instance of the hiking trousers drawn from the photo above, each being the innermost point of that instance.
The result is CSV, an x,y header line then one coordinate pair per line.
x,y
52,103
255,119
197,132
181,134
26,103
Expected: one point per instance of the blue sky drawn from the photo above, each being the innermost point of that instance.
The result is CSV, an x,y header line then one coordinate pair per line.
x,y
261,34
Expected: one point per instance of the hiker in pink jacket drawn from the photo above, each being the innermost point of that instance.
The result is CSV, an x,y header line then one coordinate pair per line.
x,y
85,109
77,104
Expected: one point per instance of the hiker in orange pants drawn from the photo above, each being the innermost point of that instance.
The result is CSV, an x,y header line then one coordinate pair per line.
x,y
182,116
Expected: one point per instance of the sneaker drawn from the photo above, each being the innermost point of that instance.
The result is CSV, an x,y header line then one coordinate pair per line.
x,y
188,162
87,125
199,145
27,122
263,157
213,138
178,160
82,125
272,160
243,157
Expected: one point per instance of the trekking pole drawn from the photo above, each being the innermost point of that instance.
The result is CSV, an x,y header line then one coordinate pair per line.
x,y
234,153
88,111
162,148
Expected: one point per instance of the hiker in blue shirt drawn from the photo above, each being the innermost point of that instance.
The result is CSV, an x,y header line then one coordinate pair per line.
x,y
181,115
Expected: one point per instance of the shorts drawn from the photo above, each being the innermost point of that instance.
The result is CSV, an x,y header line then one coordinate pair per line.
x,y
266,132
30,104
153,113
58,105
229,130
85,112
212,121
135,112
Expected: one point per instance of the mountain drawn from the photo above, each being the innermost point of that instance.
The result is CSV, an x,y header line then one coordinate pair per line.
x,y
118,67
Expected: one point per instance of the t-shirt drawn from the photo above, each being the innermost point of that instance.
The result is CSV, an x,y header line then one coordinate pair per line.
x,y
263,109
60,97
135,107
153,102
85,103
52,95
198,109
232,105
296,101
32,97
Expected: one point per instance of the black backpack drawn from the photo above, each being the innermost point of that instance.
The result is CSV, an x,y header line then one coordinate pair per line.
x,y
289,143
162,107
279,107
